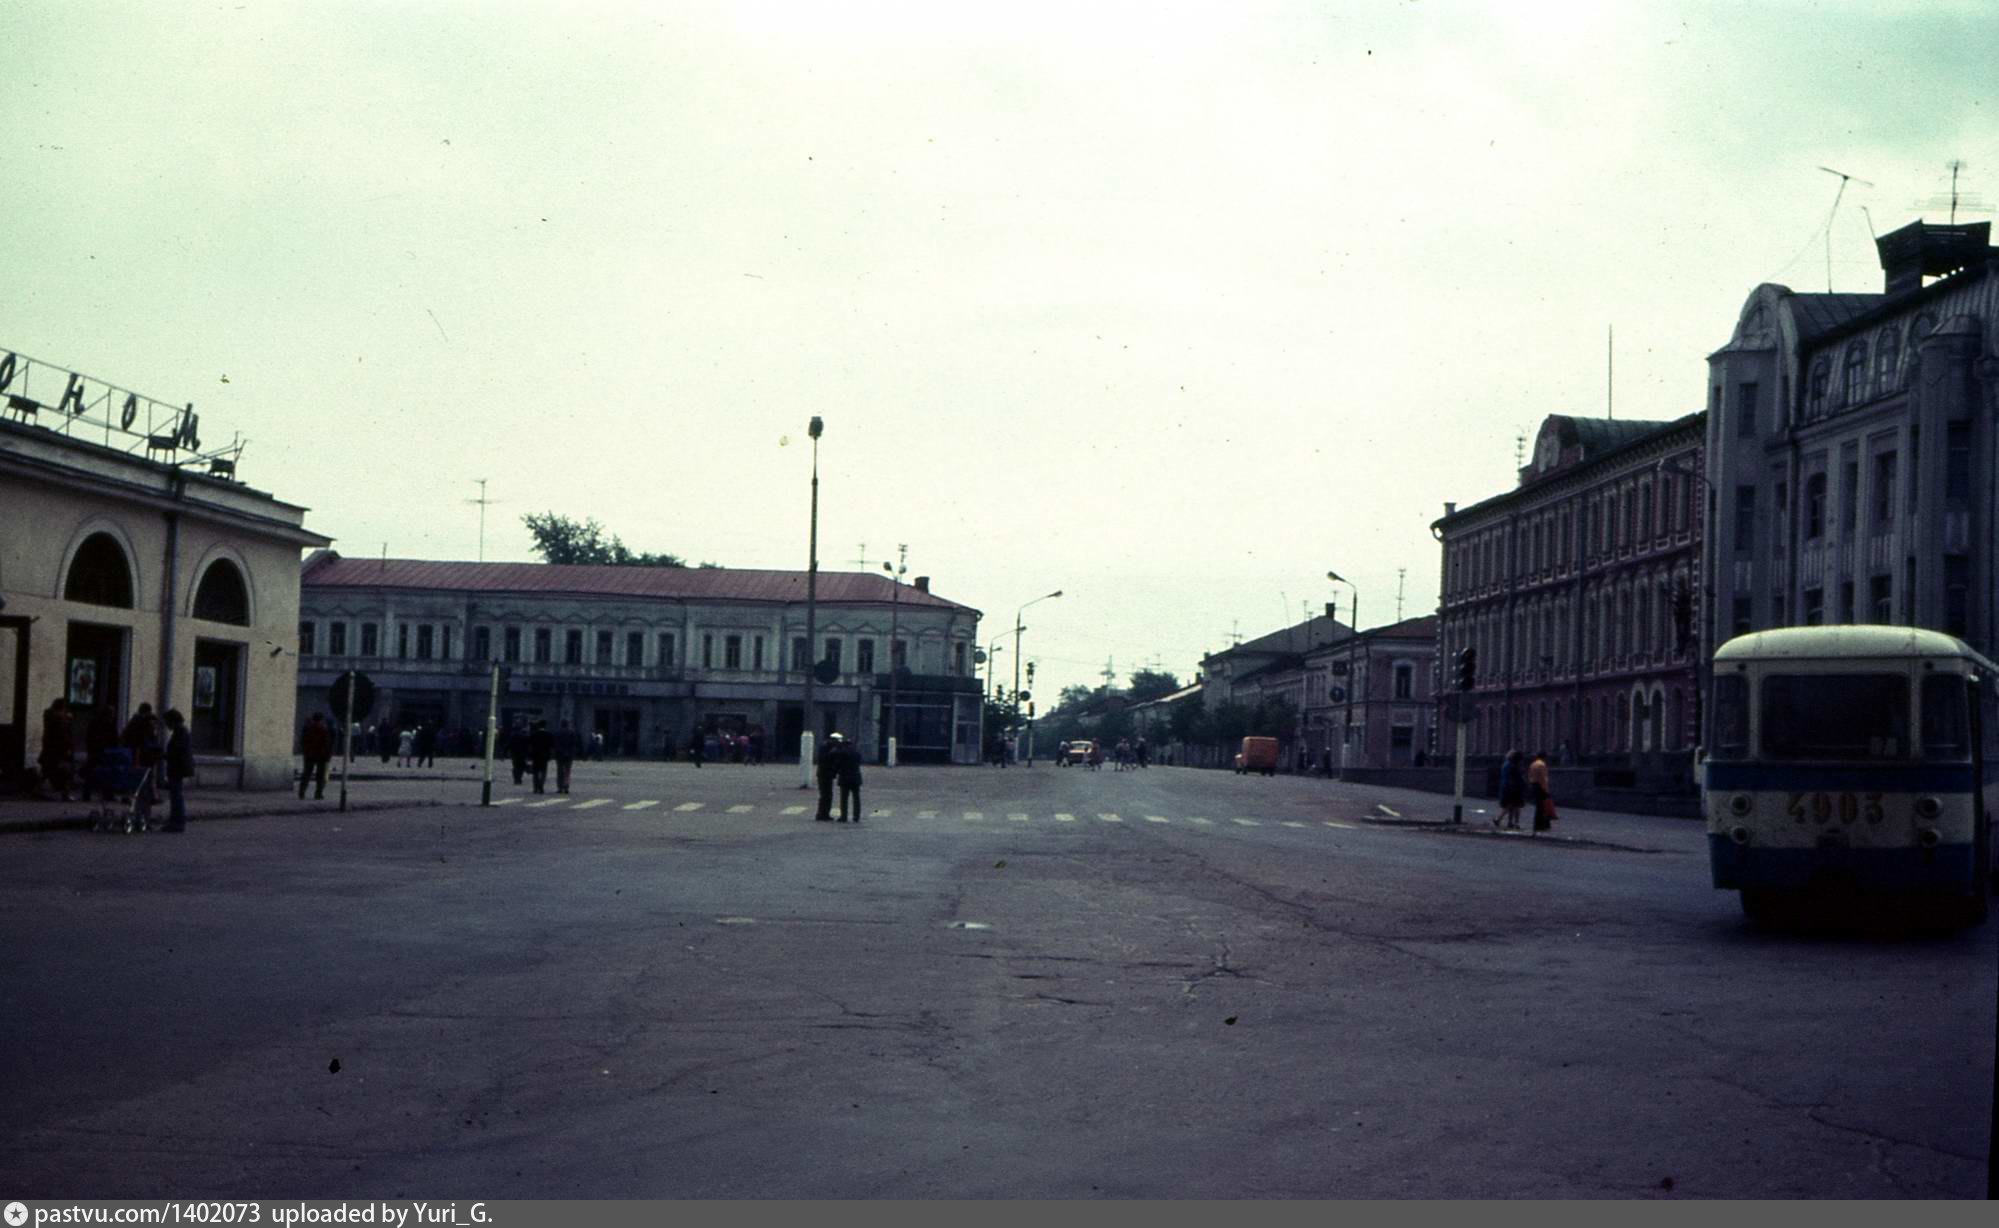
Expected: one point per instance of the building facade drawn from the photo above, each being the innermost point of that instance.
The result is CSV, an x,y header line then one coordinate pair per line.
x,y
1579,590
134,568
1374,689
645,656
1851,448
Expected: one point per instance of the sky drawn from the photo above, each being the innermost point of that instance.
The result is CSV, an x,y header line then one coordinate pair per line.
x,y
1173,308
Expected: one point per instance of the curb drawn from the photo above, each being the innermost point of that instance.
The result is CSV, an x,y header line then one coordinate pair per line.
x,y
1444,827
22,827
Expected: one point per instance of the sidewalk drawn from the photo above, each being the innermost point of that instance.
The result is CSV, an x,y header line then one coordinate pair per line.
x,y
1383,806
27,815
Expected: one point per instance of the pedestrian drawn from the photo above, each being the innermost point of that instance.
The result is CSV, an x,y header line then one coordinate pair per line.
x,y
1540,792
596,746
829,772
541,744
757,745
1096,756
316,748
405,746
1512,792
426,744
849,777
58,757
517,748
385,739
566,744
1144,759
146,740
694,747
179,767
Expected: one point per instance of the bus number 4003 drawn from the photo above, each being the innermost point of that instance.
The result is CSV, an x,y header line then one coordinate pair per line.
x,y
1820,807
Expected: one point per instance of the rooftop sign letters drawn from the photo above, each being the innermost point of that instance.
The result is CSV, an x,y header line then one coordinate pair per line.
x,y
87,405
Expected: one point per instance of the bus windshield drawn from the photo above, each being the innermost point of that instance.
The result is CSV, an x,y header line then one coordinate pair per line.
x,y
1835,716
1946,717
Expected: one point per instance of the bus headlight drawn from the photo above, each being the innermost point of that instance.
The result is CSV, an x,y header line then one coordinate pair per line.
x,y
1928,807
1927,836
1739,834
1740,804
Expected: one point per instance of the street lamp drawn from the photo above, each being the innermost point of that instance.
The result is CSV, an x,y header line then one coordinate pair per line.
x,y
1017,629
1346,734
895,575
805,736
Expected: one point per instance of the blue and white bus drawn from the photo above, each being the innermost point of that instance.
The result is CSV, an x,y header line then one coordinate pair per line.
x,y
1852,757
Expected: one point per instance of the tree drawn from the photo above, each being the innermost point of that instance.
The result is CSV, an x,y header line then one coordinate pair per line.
x,y
1151,684
1075,697
558,539
1189,721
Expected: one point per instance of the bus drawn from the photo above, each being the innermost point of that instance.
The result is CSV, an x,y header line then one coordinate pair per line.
x,y
1854,759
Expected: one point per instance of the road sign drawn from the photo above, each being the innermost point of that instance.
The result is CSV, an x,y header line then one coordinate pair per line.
x,y
826,671
364,695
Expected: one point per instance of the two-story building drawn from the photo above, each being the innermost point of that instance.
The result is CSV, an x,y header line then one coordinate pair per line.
x,y
645,656
1376,688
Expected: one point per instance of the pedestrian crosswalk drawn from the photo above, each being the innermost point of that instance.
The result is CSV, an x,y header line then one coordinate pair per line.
x,y
667,808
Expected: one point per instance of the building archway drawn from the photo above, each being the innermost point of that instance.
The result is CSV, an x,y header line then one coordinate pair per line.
x,y
99,572
223,595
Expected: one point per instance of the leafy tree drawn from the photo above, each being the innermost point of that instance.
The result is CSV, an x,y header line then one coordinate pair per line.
x,y
1076,697
1189,722
1151,684
1276,716
1230,722
558,539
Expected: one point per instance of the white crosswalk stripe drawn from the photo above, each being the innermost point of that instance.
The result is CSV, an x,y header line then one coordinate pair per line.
x,y
643,805
1065,818
926,814
1341,826
741,809
592,804
1157,818
1291,823
974,814
1246,822
688,806
508,801
1203,822
793,810
553,801
1018,818
1110,818
883,813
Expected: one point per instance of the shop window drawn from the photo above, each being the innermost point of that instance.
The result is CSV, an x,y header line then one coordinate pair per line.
x,y
222,597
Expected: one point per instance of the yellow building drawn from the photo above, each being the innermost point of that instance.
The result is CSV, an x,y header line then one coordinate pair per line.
x,y
135,568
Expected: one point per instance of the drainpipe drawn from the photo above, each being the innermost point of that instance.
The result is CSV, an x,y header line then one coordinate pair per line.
x,y
169,584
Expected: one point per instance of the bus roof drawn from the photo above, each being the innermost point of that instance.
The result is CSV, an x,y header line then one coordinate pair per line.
x,y
1820,643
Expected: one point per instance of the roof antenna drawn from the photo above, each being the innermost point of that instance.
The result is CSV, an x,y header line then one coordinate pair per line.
x,y
1844,179
482,501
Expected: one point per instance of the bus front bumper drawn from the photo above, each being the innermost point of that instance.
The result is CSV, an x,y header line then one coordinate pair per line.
x,y
1945,868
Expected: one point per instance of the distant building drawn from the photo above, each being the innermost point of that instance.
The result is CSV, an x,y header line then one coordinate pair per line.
x,y
1851,447
1577,589
136,569
1271,667
1377,688
645,656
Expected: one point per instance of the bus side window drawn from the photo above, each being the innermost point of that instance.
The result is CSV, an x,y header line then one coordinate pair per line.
x,y
1947,719
1731,717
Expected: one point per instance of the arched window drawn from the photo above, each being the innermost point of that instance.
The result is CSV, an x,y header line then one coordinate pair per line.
x,y
100,574
222,596
1887,353
1821,375
1855,389
1645,528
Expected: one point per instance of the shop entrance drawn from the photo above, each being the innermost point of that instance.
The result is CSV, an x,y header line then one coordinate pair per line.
x,y
218,697
619,727
13,700
94,673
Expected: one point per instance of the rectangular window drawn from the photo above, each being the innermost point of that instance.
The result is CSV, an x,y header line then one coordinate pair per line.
x,y
958,659
757,654
801,653
833,653
1814,607
482,643
899,655
424,642
1957,594
1880,600
1742,620
1957,462
605,644
707,651
635,648
403,640
732,652
336,639
307,640
544,645
1405,681
572,646
371,640
864,656
667,659
511,644
1745,518
444,641
1815,506
1779,616
1849,497
1846,601
1836,717
1745,411
1884,490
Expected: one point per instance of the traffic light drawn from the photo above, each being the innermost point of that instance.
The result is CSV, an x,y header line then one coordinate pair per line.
x,y
1030,709
1467,668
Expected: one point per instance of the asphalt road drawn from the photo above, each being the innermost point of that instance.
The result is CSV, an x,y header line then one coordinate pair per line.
x,y
1235,987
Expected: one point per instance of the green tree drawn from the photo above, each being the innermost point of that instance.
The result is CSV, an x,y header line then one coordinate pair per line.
x,y
1230,722
1189,722
558,539
1151,684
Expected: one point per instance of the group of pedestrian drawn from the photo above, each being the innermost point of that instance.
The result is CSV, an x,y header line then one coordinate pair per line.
x,y
1528,787
839,763
1129,756
532,748
121,765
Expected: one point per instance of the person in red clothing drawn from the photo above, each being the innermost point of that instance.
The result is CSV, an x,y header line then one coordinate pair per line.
x,y
316,748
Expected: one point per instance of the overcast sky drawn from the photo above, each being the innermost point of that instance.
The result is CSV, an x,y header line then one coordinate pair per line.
x,y
1171,307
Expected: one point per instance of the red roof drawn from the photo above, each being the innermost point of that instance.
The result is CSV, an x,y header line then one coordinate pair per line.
x,y
328,570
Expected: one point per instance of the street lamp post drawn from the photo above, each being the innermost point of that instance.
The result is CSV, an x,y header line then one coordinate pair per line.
x,y
805,736
895,575
1346,734
1017,629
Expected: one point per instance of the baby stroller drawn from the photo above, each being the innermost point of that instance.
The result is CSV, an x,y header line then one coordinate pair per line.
x,y
116,776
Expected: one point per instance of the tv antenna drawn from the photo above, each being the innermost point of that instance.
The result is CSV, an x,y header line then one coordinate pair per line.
x,y
1401,574
1844,179
482,501
1956,201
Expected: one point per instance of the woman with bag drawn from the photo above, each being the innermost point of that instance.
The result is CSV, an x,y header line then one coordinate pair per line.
x,y
1539,793
1512,790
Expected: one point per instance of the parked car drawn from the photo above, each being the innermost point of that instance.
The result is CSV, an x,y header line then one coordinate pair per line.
x,y
1257,755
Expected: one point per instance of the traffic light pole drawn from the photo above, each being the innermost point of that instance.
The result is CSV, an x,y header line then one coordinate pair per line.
x,y
347,736
1458,790
492,735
